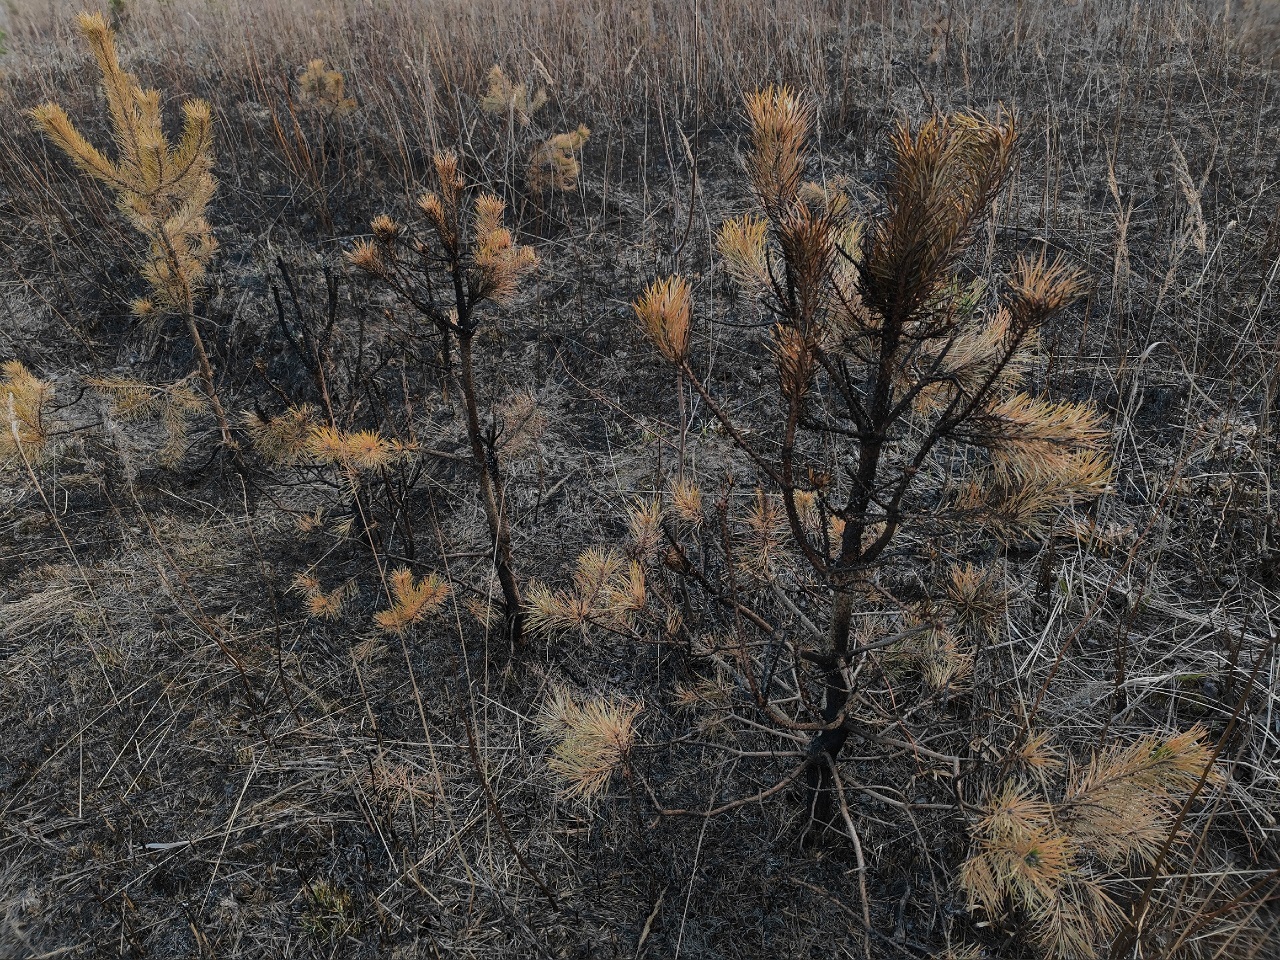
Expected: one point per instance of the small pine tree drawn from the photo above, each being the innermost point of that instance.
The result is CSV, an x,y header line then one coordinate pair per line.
x,y
322,604
506,98
608,591
891,371
324,90
554,164
161,188
296,438
173,406
469,260
412,600
590,740
1054,846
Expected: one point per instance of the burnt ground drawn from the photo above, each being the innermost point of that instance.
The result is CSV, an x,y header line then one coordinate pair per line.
x,y
192,766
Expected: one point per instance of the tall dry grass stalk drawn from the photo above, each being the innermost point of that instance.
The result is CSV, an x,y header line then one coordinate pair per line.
x,y
702,54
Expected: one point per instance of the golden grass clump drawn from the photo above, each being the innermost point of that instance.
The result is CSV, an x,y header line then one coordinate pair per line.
x,y
590,740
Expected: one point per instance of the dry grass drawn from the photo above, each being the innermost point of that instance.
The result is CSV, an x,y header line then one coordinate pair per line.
x,y
265,708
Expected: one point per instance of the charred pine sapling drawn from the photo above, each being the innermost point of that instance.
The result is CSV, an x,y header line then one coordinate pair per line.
x,y
468,260
899,415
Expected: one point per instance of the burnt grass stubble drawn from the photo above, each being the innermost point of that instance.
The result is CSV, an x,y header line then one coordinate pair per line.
x,y
191,767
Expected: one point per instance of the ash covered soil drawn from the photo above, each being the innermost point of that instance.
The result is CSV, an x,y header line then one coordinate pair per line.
x,y
192,765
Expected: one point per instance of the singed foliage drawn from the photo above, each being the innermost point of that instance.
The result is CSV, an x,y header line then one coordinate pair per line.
x,y
162,189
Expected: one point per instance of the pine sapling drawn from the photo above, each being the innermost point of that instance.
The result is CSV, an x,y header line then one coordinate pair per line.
x,y
324,90
468,260
590,740
173,406
553,162
1055,843
359,460
507,98
893,374
162,189
310,123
